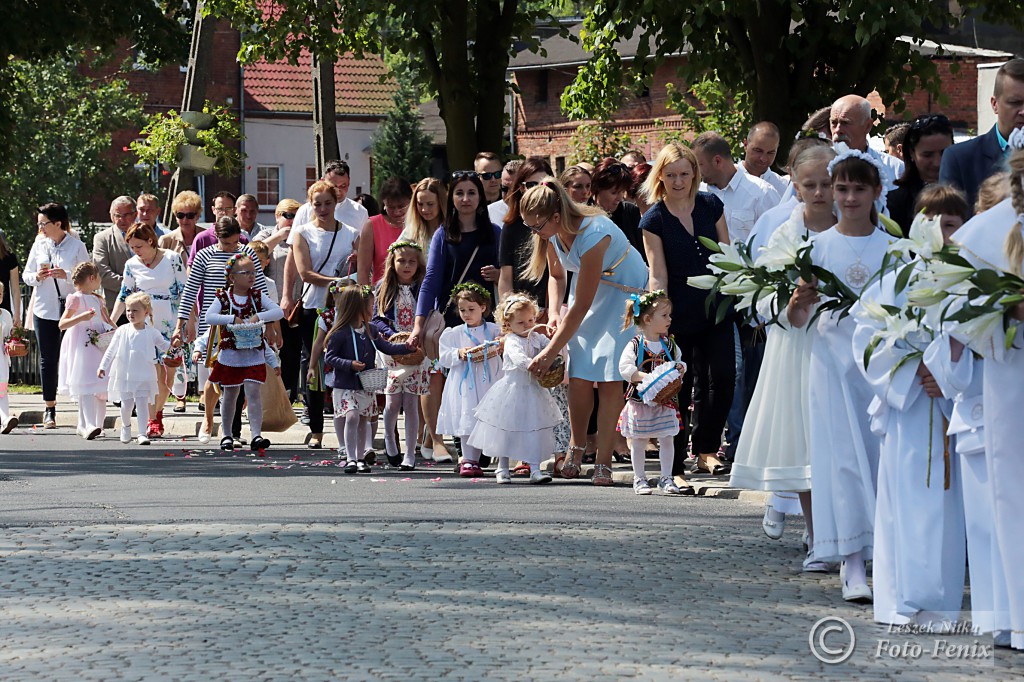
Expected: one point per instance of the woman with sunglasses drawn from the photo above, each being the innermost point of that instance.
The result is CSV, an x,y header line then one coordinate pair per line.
x,y
928,137
611,182
187,208
464,250
54,254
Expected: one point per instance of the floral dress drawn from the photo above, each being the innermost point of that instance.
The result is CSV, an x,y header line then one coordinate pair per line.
x,y
403,378
164,283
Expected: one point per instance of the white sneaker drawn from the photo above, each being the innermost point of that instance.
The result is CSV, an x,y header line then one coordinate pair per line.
x,y
666,486
774,523
126,435
860,594
142,440
204,436
539,476
640,486
503,477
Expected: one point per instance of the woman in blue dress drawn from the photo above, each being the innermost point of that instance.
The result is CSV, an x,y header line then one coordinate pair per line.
x,y
607,270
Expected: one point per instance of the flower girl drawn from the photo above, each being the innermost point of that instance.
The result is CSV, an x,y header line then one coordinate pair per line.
x,y
86,322
130,365
517,416
7,422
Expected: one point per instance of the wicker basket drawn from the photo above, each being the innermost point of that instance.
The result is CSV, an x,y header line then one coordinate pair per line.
x,y
374,380
493,350
103,339
16,348
555,374
414,358
666,396
174,357
248,336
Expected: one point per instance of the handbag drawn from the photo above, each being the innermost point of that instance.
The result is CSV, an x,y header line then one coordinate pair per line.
x,y
434,323
278,415
293,316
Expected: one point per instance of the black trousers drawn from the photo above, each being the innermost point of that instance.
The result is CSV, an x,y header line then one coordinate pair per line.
x,y
710,359
291,358
49,335
314,399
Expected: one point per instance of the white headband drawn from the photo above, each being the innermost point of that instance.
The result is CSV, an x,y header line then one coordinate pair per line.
x,y
884,174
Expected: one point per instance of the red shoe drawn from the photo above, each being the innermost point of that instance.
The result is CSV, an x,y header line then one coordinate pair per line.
x,y
160,424
470,470
152,429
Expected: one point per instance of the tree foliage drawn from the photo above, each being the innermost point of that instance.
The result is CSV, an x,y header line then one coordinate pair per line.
x,y
721,111
400,147
789,57
458,51
592,142
63,149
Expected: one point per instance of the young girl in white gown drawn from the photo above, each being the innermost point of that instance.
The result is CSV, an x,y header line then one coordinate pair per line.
x,y
130,365
469,352
84,319
517,416
844,451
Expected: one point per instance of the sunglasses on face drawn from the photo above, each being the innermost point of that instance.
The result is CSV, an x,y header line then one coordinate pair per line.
x,y
181,215
530,184
490,176
288,215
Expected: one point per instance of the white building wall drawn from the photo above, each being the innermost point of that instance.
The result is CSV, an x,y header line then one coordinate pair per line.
x,y
288,144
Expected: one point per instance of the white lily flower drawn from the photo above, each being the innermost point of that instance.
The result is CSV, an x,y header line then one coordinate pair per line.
x,y
982,330
871,311
730,255
739,287
923,297
781,251
702,281
945,275
924,238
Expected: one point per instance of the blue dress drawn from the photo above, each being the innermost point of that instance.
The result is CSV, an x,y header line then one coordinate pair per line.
x,y
595,349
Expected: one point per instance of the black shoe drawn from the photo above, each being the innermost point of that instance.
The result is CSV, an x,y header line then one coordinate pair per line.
x,y
50,418
370,457
396,460
484,462
227,443
406,467
351,468
329,408
362,468
259,443
202,405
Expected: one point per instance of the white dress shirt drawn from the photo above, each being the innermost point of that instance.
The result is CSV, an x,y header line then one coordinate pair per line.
x,y
746,199
66,255
780,183
347,212
497,211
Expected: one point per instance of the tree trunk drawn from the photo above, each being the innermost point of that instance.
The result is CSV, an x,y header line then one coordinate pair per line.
x,y
192,99
325,119
491,58
457,99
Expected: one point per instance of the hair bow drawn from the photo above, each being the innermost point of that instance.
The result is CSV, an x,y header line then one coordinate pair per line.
x,y
636,304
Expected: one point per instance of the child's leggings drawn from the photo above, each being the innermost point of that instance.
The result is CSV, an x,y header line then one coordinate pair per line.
x,y
351,430
666,453
229,404
395,403
141,408
92,410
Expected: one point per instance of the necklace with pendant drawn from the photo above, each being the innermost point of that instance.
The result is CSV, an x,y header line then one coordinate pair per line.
x,y
857,275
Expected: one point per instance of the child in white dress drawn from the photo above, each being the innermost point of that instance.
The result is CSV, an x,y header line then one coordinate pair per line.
x,y
469,352
517,416
85,318
639,421
7,422
129,364
240,364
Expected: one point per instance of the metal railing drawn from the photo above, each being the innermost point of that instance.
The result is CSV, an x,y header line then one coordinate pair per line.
x,y
26,370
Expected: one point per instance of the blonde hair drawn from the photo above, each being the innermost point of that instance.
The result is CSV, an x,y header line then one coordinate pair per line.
x,y
187,200
547,199
1014,245
143,298
811,154
653,189
84,271
260,248
992,191
648,306
415,226
510,305
319,187
286,206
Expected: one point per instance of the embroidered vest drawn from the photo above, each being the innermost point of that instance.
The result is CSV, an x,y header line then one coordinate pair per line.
x,y
253,305
652,360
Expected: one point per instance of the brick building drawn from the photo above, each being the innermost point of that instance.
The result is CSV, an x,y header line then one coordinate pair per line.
x,y
541,129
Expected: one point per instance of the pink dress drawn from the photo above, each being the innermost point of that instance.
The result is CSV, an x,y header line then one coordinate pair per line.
x,y
79,355
384,235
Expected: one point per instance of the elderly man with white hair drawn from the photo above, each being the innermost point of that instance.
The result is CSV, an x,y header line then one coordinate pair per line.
x,y
110,249
850,122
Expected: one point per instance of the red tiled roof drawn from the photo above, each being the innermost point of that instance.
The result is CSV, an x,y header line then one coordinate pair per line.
x,y
281,87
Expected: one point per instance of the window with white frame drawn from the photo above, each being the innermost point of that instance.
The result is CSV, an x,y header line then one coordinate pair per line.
x,y
268,186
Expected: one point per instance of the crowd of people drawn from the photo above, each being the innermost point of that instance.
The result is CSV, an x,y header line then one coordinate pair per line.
x,y
525,316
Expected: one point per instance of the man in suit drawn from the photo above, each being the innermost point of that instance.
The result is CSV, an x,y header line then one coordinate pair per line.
x,y
110,250
967,164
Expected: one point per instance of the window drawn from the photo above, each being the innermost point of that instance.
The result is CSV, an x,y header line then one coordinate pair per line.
x,y
311,176
542,85
559,165
268,185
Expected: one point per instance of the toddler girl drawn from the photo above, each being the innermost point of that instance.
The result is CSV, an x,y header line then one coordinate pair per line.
x,y
638,421
469,351
351,348
84,319
7,422
404,269
130,365
236,367
517,417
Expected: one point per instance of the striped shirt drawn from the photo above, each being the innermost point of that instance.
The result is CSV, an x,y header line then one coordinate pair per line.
x,y
206,276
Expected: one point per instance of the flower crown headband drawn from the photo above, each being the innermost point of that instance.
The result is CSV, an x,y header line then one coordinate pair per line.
x,y
230,263
337,285
471,286
512,300
404,245
642,302
844,152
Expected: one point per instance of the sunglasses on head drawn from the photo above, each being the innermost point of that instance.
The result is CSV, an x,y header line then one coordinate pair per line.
x,y
288,215
493,175
462,175
181,215
616,169
928,121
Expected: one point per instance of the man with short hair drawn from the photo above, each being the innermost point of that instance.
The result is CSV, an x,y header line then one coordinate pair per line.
x,y
247,207
759,151
745,196
148,208
894,137
110,250
347,212
850,122
497,210
223,206
488,167
967,164
632,159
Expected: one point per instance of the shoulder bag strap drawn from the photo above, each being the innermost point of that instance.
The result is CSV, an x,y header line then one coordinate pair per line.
x,y
465,270
330,249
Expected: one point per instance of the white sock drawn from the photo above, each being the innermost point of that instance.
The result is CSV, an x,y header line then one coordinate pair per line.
x,y
392,405
471,454
126,413
228,402
5,409
503,463
254,394
142,410
410,405
367,432
856,573
352,440
637,453
666,455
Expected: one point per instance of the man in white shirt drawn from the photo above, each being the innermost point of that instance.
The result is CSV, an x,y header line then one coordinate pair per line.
x,y
488,166
759,152
850,122
746,197
497,210
246,209
347,211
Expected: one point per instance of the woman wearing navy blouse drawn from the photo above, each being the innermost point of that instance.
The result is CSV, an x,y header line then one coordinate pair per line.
x,y
467,242
678,216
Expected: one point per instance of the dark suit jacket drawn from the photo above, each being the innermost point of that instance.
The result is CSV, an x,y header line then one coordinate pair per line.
x,y
967,164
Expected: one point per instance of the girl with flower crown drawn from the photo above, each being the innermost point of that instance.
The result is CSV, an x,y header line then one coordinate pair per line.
x,y
470,353
844,451
647,354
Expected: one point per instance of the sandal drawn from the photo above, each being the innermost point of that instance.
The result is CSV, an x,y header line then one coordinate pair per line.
x,y
602,475
522,469
570,465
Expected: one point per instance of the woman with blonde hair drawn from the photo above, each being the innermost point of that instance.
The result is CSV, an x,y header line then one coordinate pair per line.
x,y
187,208
607,270
576,180
429,197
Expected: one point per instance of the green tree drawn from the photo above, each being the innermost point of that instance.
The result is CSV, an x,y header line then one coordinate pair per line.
x,y
592,142
458,50
400,147
63,150
720,111
789,57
